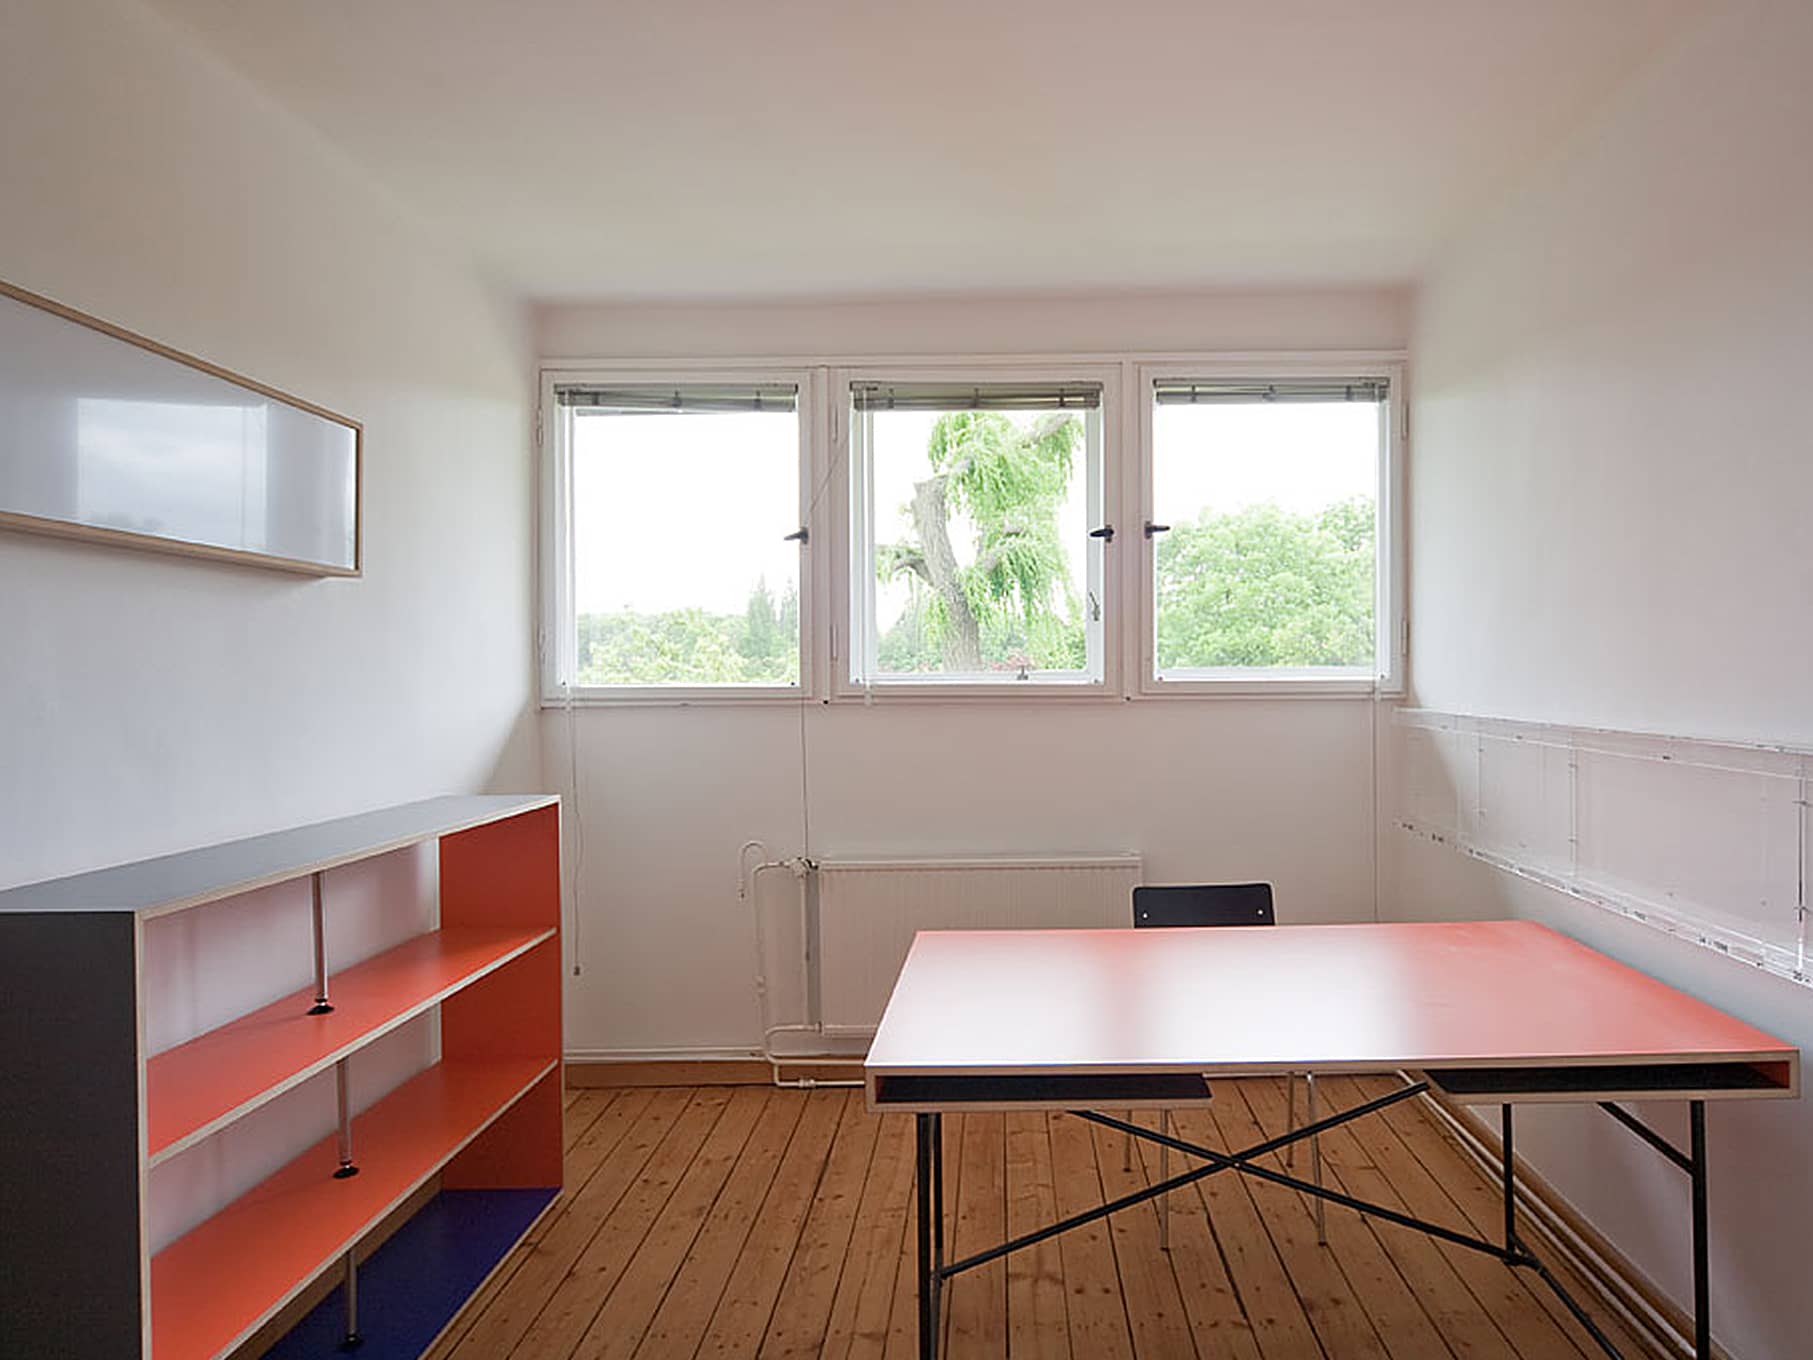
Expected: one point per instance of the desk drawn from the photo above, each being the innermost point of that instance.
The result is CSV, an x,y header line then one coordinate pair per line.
x,y
1493,1012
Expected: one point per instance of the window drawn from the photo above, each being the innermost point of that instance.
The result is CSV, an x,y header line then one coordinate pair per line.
x,y
977,531
678,547
1269,525
972,509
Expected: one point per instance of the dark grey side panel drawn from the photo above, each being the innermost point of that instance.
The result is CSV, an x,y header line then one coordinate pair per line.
x,y
69,1180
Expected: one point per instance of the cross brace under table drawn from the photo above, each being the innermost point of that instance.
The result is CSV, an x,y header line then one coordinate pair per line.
x,y
934,1270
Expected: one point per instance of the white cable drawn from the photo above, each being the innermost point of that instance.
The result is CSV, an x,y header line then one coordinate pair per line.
x,y
564,464
805,787
566,689
1373,712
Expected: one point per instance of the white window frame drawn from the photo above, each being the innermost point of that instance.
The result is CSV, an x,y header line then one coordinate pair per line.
x,y
557,640
847,619
1391,640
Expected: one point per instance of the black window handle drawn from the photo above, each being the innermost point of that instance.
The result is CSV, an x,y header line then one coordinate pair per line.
x,y
1152,528
799,535
1105,533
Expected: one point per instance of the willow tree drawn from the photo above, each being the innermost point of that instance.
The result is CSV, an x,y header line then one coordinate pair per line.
x,y
1008,484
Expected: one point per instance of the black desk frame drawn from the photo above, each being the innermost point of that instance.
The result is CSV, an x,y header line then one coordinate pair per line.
x,y
934,1271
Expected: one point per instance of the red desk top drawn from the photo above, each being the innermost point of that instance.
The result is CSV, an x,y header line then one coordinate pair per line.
x,y
1288,998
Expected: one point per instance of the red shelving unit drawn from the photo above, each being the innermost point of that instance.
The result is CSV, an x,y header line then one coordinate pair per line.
x,y
92,1118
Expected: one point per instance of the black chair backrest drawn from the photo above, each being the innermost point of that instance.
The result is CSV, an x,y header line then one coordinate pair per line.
x,y
1203,904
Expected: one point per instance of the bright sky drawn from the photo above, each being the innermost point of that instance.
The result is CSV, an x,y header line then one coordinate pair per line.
x,y
644,548
684,510
1301,455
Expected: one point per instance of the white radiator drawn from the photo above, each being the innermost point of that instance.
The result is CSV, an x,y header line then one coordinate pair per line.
x,y
868,911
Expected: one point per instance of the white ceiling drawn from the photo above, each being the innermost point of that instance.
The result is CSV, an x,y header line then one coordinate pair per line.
x,y
692,148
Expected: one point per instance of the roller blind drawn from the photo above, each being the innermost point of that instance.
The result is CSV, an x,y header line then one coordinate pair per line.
x,y
593,399
1186,392
976,396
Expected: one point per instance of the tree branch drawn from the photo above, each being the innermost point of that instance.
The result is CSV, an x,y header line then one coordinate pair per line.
x,y
992,558
893,558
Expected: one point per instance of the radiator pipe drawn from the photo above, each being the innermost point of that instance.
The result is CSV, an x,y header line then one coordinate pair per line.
x,y
747,878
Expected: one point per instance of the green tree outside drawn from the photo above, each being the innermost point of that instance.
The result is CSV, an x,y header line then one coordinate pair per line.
x,y
1265,587
694,646
1013,605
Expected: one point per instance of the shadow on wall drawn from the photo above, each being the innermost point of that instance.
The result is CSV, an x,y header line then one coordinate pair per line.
x,y
517,764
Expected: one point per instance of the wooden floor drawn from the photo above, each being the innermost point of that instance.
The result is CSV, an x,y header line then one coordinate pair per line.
x,y
745,1221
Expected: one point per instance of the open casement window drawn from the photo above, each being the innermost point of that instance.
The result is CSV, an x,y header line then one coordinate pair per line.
x,y
977,534
1269,531
678,564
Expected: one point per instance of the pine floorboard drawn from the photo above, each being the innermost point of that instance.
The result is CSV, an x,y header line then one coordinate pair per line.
x,y
748,1222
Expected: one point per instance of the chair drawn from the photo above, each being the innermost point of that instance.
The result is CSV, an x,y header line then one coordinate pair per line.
x,y
1219,904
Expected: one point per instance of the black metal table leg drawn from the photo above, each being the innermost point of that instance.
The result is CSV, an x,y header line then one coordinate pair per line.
x,y
928,1176
1510,1184
1693,1162
938,1197
933,1270
1702,1289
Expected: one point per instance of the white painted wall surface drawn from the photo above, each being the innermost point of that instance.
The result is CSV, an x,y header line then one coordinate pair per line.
x,y
1610,489
150,703
1008,323
1611,479
1203,789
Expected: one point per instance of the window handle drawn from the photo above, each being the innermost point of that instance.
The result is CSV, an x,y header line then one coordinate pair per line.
x,y
799,535
1152,528
1105,533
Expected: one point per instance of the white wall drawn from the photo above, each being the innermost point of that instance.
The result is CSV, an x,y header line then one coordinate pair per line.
x,y
149,702
1610,489
1278,789
1616,366
1010,323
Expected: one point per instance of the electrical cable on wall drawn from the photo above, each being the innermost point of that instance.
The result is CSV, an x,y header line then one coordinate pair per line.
x,y
566,694
805,786
578,857
1373,713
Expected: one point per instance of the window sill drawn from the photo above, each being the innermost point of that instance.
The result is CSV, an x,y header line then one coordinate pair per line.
x,y
678,696
1279,687
981,695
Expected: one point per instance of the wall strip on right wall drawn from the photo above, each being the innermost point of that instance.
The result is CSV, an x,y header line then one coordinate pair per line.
x,y
1705,841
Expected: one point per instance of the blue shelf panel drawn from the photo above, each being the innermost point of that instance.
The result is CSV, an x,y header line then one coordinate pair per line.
x,y
410,1288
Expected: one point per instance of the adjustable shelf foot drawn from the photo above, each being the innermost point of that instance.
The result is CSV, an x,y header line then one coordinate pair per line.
x,y
351,1340
322,1005
345,1138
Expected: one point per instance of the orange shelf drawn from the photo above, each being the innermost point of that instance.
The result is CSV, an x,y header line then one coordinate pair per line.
x,y
212,1287
196,1088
